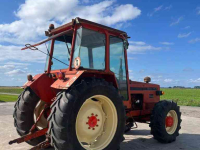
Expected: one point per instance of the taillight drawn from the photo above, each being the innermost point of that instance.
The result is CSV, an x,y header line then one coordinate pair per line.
x,y
61,75
160,93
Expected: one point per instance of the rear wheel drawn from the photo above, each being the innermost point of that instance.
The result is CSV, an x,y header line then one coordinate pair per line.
x,y
24,112
88,116
165,121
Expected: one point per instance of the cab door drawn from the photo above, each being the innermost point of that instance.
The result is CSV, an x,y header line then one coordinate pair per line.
x,y
118,65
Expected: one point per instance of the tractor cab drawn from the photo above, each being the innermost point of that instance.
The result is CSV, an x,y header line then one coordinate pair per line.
x,y
83,48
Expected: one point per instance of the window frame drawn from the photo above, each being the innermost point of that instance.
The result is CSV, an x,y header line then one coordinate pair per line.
x,y
125,61
98,31
55,57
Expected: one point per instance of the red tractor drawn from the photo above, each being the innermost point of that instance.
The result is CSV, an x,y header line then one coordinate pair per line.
x,y
85,99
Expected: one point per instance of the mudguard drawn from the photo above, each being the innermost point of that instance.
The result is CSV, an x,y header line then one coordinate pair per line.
x,y
70,78
47,87
41,85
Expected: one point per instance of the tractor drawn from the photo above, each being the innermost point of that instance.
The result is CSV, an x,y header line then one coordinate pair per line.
x,y
85,100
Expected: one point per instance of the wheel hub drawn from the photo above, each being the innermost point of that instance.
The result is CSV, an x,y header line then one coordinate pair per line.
x,y
169,121
92,121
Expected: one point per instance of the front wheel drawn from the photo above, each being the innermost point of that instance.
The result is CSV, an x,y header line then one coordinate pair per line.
x,y
165,121
89,116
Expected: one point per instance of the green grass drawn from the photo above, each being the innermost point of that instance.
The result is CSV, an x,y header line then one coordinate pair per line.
x,y
8,98
15,90
185,97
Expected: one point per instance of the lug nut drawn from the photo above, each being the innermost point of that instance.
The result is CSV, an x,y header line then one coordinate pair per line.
x,y
89,128
97,125
92,114
93,129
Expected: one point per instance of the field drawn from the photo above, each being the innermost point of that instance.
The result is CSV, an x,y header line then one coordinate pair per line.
x,y
186,97
8,98
14,90
11,90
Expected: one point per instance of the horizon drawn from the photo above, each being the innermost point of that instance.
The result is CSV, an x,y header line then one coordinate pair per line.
x,y
164,43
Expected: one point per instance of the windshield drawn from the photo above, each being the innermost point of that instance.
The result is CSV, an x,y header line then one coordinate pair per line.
x,y
61,52
90,47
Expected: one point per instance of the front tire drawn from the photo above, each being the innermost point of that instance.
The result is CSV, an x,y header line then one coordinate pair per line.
x,y
89,115
165,121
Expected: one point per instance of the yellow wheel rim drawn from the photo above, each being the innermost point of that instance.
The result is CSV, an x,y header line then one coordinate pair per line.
x,y
171,122
96,123
42,123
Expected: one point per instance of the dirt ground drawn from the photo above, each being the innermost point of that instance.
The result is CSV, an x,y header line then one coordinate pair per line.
x,y
137,139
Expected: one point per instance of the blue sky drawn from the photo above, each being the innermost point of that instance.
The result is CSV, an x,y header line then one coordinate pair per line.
x,y
164,43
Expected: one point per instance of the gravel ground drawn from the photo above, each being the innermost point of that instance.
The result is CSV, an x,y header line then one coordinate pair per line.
x,y
137,139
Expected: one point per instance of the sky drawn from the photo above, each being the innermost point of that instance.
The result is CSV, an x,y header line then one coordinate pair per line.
x,y
164,43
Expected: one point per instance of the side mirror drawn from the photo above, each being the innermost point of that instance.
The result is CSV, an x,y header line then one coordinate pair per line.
x,y
126,44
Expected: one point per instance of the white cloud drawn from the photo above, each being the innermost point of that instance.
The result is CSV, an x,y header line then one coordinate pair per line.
x,y
132,58
168,80
177,21
194,40
39,10
184,35
168,7
158,8
142,71
130,71
32,23
141,47
7,67
121,13
195,80
187,27
17,63
155,10
15,72
14,53
137,42
166,43
135,49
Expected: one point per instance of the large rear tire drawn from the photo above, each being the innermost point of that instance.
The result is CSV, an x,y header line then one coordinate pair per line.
x,y
165,121
89,115
24,114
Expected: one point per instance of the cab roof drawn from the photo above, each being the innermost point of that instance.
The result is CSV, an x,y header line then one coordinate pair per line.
x,y
53,33
83,21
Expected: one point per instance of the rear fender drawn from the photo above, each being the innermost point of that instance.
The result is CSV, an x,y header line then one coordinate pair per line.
x,y
41,85
70,79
